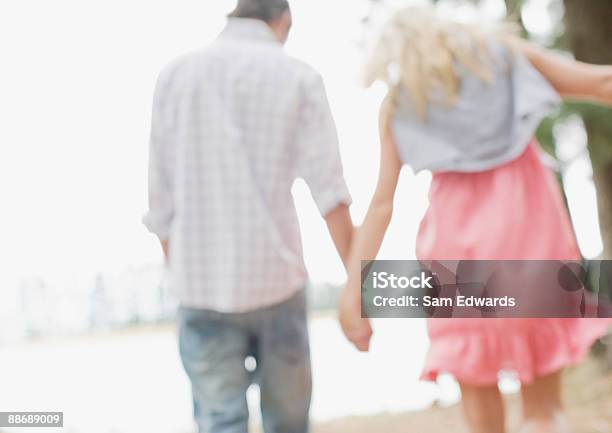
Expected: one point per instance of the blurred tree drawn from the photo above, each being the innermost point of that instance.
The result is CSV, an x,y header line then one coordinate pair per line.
x,y
513,12
589,36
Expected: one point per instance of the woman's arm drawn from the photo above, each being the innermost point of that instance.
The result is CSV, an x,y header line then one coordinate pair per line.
x,y
367,241
572,79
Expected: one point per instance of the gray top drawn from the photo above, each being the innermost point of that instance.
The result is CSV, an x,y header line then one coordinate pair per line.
x,y
490,124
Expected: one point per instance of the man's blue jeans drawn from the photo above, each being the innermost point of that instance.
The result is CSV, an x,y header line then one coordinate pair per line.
x,y
214,347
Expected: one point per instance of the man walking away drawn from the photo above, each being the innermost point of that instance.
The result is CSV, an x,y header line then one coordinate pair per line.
x,y
234,125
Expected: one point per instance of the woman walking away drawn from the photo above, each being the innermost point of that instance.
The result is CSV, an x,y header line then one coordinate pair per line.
x,y
466,104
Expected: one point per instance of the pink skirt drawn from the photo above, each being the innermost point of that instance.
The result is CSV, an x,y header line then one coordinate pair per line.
x,y
512,212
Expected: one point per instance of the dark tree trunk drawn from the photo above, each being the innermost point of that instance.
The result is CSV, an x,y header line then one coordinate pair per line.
x,y
589,34
513,11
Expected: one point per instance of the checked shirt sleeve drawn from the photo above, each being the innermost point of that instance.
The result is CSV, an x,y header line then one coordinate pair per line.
x,y
318,157
162,150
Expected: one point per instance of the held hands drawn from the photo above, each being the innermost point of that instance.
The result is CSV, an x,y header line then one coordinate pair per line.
x,y
356,329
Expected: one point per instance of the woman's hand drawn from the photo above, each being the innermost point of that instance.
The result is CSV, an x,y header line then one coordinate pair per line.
x,y
356,329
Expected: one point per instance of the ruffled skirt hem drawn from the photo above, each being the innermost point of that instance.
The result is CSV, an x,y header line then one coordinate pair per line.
x,y
475,351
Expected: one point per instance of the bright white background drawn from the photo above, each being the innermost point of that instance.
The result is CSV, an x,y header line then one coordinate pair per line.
x,y
76,85
75,95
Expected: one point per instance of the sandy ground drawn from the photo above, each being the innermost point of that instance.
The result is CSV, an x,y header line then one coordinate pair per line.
x,y
588,398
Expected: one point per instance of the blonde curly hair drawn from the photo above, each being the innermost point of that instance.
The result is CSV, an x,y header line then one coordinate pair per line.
x,y
419,51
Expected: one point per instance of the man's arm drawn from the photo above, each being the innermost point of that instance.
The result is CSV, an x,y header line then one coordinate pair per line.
x,y
368,239
161,162
165,245
340,228
318,162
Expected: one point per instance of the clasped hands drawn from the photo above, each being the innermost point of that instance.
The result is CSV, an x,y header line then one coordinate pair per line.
x,y
356,328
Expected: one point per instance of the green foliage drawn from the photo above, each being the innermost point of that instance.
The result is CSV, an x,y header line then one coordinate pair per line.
x,y
598,121
545,133
546,137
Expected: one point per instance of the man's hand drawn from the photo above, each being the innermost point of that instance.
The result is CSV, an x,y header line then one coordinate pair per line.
x,y
356,329
340,227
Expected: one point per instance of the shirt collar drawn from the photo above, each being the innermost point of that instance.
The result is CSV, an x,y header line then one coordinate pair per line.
x,y
247,28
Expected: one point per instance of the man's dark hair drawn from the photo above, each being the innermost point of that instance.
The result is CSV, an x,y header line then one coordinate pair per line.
x,y
264,10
